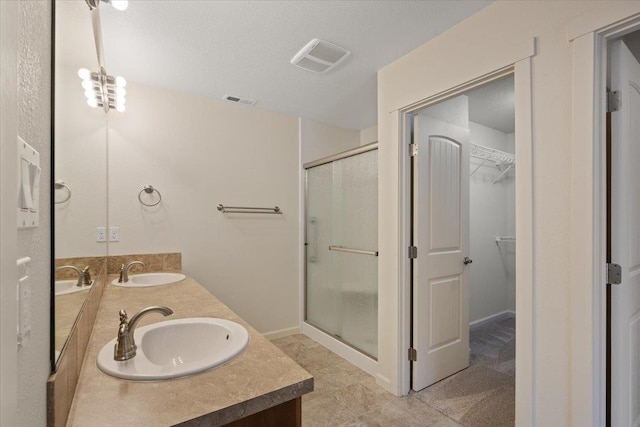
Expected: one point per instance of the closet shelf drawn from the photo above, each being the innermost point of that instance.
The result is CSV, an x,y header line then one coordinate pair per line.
x,y
502,160
505,240
491,154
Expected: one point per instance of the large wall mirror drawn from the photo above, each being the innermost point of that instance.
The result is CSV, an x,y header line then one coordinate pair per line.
x,y
80,172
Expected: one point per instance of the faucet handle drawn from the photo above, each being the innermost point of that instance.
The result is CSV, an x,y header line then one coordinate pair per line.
x,y
121,279
86,277
123,316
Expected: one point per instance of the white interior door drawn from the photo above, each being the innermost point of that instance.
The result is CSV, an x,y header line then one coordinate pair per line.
x,y
441,235
625,239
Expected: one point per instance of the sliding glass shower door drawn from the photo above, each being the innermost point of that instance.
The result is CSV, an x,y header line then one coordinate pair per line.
x,y
341,295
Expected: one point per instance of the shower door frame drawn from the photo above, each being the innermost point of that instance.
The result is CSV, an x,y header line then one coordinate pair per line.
x,y
354,355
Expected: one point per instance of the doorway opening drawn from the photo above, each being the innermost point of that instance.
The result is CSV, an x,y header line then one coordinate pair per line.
x,y
462,193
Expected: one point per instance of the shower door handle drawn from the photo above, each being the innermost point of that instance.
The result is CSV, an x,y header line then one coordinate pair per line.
x,y
353,251
467,260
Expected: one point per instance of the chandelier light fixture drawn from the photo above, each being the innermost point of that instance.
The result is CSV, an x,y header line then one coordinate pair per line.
x,y
103,90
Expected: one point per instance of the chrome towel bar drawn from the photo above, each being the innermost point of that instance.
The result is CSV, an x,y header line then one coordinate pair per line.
x,y
353,251
248,209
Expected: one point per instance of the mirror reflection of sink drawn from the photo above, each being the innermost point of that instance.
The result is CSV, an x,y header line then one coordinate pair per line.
x,y
64,287
177,348
150,279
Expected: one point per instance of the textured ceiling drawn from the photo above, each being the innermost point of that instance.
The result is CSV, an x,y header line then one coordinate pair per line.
x,y
243,48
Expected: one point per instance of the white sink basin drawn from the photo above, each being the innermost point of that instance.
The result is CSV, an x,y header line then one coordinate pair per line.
x,y
177,348
64,287
150,279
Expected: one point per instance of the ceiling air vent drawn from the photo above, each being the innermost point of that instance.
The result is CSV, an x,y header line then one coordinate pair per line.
x,y
238,100
319,56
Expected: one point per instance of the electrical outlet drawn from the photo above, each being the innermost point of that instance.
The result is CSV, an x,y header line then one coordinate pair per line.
x,y
114,234
101,234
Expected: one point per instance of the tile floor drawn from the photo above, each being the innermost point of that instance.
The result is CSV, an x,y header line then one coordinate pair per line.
x,y
482,395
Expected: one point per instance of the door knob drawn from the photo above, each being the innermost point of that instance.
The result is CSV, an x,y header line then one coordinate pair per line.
x,y
467,260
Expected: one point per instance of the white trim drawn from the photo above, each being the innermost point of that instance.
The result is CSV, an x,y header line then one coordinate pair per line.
x,y
460,89
491,318
8,200
302,228
524,230
589,216
281,333
502,55
383,381
525,292
351,355
586,405
604,20
404,263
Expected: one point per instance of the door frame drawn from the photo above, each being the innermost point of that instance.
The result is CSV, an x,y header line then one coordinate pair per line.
x,y
521,70
589,378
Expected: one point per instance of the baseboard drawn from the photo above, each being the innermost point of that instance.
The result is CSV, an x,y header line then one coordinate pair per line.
x,y
281,333
502,315
385,383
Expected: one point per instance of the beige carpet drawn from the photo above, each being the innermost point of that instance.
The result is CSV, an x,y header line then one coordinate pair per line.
x,y
480,396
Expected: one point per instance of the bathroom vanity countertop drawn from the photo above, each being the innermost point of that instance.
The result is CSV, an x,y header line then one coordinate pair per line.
x,y
261,377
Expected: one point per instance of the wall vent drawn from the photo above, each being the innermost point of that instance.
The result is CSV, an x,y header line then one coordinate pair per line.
x,y
238,100
319,56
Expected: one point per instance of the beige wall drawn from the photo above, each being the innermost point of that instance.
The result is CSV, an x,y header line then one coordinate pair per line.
x,y
369,135
493,265
200,152
496,37
318,140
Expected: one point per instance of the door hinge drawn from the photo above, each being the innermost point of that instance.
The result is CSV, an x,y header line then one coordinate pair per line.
x,y
614,274
413,355
413,252
613,101
413,150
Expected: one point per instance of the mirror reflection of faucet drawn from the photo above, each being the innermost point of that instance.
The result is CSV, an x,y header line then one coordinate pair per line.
x,y
124,271
84,276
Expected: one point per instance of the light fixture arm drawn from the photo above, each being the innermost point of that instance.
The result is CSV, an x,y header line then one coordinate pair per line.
x,y
93,4
105,91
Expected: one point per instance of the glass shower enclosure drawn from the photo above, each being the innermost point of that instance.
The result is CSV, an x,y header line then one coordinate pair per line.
x,y
341,241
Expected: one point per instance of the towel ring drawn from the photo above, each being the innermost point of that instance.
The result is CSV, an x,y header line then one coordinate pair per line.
x,y
149,189
59,184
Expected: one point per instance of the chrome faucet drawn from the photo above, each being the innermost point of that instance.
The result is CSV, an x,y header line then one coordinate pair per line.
x,y
125,347
84,277
124,271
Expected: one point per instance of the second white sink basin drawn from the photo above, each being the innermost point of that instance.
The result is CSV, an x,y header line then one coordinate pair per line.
x,y
64,287
177,348
150,279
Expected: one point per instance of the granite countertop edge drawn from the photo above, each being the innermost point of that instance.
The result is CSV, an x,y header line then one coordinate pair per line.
x,y
251,406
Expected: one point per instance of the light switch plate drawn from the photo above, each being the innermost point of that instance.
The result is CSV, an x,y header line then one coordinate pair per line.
x,y
28,185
